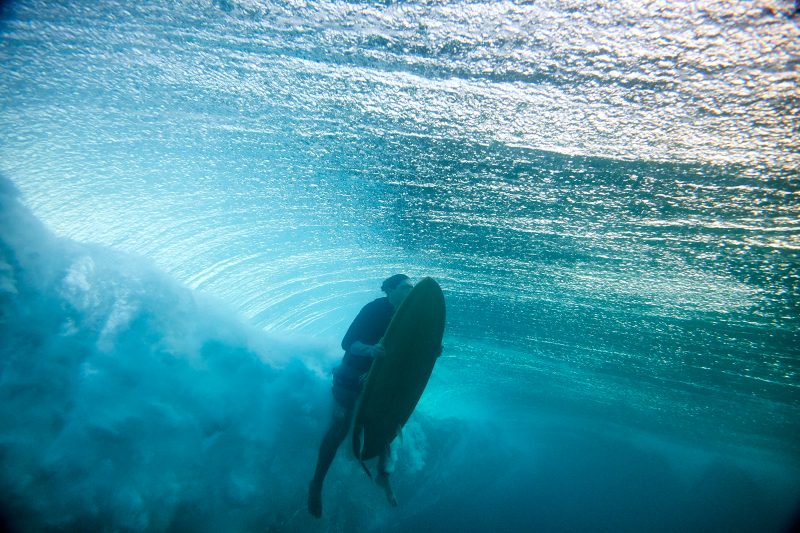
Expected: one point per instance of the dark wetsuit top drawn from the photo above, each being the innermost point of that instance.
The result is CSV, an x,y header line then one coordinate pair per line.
x,y
368,327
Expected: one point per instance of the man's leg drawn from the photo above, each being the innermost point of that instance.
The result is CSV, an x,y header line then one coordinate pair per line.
x,y
386,463
327,451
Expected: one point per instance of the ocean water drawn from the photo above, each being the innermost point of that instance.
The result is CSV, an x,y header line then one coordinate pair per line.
x,y
197,197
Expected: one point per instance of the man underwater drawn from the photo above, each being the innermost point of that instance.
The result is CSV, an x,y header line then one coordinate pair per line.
x,y
361,347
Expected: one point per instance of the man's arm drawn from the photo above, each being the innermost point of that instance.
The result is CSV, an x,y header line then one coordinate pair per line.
x,y
352,332
367,350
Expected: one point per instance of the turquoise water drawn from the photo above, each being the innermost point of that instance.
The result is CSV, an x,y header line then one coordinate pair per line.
x,y
198,197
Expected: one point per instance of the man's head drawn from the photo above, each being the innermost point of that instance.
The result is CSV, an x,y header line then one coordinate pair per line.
x,y
397,288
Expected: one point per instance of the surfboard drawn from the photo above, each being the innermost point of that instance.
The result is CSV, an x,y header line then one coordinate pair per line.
x,y
396,381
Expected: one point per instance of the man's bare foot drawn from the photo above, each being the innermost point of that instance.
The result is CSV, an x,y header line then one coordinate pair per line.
x,y
383,481
315,499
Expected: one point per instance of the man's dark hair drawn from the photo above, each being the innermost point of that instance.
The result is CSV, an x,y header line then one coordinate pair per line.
x,y
391,282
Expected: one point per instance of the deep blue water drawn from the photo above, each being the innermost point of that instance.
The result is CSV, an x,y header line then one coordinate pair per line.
x,y
197,198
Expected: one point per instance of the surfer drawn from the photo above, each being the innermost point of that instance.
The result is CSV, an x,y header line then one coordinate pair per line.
x,y
361,347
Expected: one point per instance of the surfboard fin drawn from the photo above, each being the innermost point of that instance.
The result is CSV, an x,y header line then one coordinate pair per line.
x,y
358,450
364,466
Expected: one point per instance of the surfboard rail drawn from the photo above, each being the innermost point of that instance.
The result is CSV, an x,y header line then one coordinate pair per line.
x,y
396,382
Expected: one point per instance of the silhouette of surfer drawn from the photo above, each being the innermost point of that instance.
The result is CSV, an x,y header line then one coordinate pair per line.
x,y
361,346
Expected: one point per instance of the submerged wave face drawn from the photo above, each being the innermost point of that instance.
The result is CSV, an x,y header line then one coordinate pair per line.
x,y
129,402
607,193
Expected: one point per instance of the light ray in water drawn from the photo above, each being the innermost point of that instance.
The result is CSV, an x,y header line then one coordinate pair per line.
x,y
210,190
